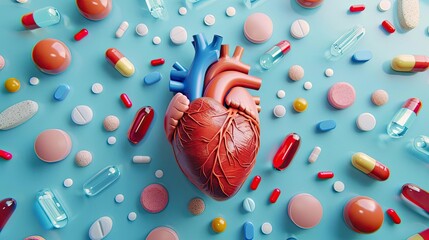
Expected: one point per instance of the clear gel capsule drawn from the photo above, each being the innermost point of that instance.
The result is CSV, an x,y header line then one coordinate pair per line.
x,y
101,180
40,18
421,144
157,8
50,210
274,54
347,40
404,118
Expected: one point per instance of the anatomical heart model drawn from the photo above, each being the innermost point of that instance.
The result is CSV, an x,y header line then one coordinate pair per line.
x,y
212,122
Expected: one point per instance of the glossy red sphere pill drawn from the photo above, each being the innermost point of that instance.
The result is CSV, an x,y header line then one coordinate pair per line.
x,y
325,175
157,62
357,8
5,155
393,215
126,100
255,182
140,124
81,34
286,151
275,195
388,26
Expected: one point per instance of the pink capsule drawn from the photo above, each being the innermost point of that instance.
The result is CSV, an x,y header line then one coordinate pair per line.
x,y
275,195
393,215
126,100
325,175
157,62
357,8
255,182
388,26
81,34
5,155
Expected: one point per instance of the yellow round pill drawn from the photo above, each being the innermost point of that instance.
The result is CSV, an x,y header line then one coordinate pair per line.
x,y
300,104
218,225
12,85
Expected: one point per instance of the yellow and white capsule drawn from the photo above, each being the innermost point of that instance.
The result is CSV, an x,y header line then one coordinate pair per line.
x,y
370,166
120,62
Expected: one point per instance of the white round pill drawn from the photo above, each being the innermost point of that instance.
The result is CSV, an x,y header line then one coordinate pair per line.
x,y
82,115
281,94
279,111
83,158
329,72
2,62
159,173
68,182
209,20
266,228
111,123
132,216
230,11
299,29
178,35
183,11
22,1
97,88
339,186
156,40
308,85
384,5
119,198
142,30
111,140
366,122
34,81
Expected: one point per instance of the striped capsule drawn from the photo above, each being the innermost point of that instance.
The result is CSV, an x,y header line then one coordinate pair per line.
x,y
121,63
410,63
370,166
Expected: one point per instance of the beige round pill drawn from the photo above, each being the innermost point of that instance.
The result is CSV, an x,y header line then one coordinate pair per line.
x,y
111,123
296,72
83,158
379,97
196,206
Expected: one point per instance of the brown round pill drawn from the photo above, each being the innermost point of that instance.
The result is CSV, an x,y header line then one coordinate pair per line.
x,y
379,97
196,206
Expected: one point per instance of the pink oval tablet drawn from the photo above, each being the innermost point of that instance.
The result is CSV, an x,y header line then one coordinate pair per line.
x,y
305,210
154,198
341,95
258,28
162,233
52,145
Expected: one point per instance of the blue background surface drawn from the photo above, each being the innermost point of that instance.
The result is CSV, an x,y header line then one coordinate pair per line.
x,y
25,174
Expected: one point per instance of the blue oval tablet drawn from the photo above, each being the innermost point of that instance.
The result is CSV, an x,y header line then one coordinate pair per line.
x,y
362,56
152,78
326,125
249,231
61,92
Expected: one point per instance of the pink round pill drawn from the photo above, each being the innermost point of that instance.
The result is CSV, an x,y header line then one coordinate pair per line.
x,y
258,28
341,95
305,210
163,233
52,145
154,198
379,97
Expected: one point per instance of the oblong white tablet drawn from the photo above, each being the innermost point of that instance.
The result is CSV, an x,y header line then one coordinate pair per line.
x,y
408,13
17,114
100,228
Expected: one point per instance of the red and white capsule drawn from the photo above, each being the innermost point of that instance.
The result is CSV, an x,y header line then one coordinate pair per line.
x,y
120,62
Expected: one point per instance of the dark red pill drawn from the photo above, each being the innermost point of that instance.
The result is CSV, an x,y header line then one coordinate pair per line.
x,y
157,62
255,182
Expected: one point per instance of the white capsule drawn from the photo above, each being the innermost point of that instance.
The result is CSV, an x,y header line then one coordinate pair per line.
x,y
122,29
314,154
141,159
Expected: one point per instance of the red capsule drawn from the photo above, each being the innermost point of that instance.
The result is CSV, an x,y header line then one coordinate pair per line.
x,y
286,151
416,197
81,34
275,195
393,215
5,155
255,182
140,124
388,26
157,62
325,175
357,8
126,100
7,207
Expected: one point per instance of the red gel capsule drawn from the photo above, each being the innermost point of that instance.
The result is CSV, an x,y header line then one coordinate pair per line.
x,y
255,182
325,175
7,207
393,215
388,26
357,8
275,195
5,155
417,198
286,151
140,124
157,62
81,34
126,100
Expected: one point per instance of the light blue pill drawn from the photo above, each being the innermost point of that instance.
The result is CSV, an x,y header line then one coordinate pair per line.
x,y
61,92
152,78
249,231
326,125
362,56
249,205
292,238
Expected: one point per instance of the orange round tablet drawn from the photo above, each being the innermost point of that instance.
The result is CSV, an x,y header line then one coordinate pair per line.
x,y
51,56
363,215
94,9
